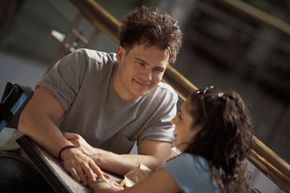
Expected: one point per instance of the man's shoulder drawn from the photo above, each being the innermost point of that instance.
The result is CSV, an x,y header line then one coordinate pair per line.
x,y
163,93
166,89
99,56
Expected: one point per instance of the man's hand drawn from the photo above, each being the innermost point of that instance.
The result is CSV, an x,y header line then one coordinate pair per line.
x,y
79,142
81,167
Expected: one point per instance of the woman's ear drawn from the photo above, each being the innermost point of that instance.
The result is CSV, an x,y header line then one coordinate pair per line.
x,y
121,52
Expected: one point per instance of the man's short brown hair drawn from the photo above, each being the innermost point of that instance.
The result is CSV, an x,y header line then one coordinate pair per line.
x,y
151,27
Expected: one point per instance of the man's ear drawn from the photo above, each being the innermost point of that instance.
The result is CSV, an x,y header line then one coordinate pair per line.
x,y
121,52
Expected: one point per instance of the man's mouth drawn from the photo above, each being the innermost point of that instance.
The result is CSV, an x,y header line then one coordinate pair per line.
x,y
143,83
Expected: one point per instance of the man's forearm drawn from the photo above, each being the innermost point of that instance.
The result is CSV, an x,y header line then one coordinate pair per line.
x,y
44,132
38,119
121,164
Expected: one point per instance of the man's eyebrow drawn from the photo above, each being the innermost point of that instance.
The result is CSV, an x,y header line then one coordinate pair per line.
x,y
161,68
140,60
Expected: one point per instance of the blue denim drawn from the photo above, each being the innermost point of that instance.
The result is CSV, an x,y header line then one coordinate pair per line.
x,y
19,176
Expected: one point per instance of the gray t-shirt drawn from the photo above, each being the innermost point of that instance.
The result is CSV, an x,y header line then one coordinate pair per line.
x,y
191,173
82,84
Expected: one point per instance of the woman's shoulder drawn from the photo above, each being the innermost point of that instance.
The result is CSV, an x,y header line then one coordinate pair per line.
x,y
188,162
191,159
191,172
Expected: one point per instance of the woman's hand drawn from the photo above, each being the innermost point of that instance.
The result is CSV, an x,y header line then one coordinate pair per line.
x,y
102,185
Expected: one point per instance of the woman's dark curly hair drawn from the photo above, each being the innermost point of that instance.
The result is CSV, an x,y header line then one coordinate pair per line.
x,y
225,137
151,27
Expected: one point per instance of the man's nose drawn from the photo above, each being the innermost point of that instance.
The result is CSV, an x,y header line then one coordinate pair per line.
x,y
147,74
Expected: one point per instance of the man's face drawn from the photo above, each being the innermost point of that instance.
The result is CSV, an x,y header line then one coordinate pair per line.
x,y
140,69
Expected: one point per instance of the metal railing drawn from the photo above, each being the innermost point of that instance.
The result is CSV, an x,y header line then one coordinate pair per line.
x,y
259,15
261,156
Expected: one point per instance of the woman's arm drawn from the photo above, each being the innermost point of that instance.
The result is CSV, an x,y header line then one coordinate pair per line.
x,y
158,182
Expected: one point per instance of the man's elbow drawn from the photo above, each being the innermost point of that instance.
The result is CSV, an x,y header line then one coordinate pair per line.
x,y
157,162
158,152
26,121
23,122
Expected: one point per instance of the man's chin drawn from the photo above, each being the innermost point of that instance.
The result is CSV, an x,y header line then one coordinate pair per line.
x,y
142,93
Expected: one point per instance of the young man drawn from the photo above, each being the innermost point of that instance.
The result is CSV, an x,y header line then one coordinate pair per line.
x,y
111,100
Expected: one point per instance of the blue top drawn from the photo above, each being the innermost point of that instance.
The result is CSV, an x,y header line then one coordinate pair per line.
x,y
191,173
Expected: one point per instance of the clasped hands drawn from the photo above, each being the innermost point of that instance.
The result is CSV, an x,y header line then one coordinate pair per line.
x,y
79,164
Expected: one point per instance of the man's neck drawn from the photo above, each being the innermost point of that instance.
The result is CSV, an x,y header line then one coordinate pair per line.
x,y
118,88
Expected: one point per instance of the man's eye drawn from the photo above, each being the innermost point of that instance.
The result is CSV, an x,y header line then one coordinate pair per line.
x,y
140,64
160,70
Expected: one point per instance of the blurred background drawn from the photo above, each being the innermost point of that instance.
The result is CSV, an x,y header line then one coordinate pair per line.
x,y
234,45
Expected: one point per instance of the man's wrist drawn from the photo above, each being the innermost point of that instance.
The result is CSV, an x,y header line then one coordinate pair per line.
x,y
100,156
64,149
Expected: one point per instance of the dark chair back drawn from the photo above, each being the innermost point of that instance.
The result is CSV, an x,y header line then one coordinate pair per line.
x,y
13,100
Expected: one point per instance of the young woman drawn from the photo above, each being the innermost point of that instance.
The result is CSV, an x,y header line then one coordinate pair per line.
x,y
214,131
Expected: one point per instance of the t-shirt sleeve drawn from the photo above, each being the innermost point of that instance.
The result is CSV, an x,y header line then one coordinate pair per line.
x,y
64,79
191,173
159,126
